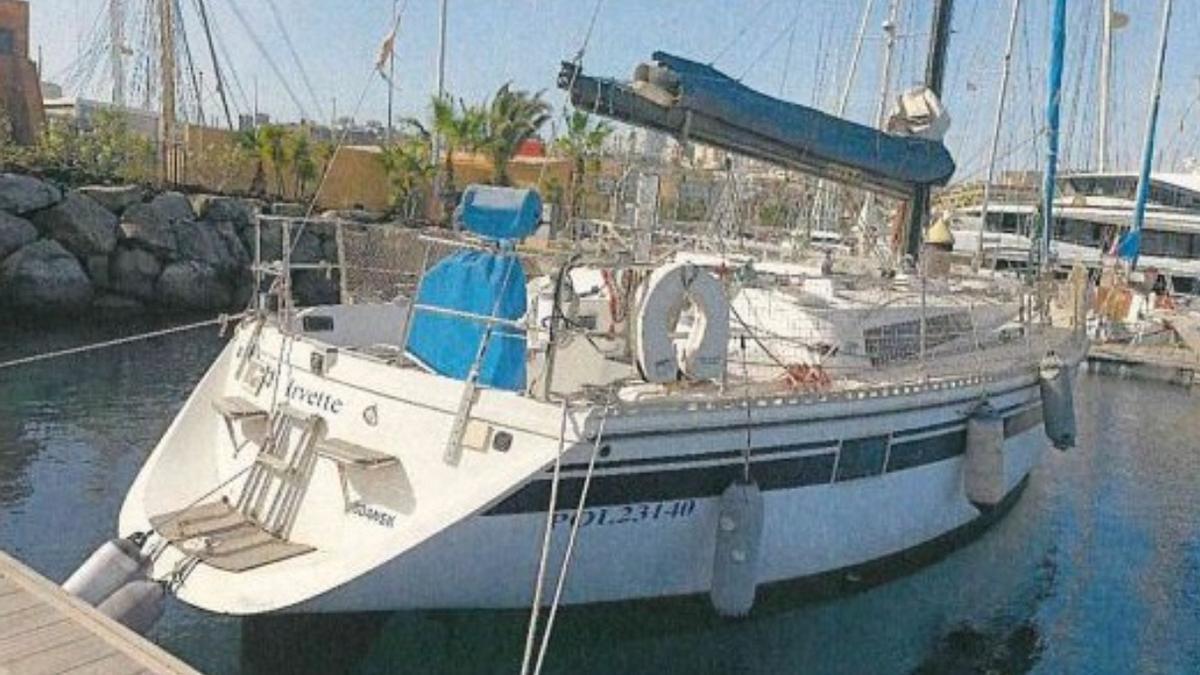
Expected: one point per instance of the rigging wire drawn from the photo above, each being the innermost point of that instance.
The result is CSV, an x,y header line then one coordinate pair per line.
x,y
790,27
339,142
787,59
238,89
185,48
291,47
202,11
262,50
587,36
758,14
1032,89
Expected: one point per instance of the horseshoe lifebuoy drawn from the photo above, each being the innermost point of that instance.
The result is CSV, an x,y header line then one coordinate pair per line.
x,y
668,291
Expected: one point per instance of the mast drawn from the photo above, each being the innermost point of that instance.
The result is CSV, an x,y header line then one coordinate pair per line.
x,y
1105,82
216,64
436,142
889,48
1053,106
991,166
935,70
391,78
1131,244
116,18
166,71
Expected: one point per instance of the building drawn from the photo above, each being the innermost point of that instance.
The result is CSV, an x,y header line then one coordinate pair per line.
x,y
20,89
81,113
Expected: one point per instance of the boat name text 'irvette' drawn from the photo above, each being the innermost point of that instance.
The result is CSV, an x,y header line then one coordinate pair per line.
x,y
314,398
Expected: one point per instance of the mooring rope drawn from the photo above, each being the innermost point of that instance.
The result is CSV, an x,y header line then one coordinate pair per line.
x,y
95,346
540,581
567,555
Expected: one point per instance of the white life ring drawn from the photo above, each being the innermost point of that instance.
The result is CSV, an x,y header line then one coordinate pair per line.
x,y
665,295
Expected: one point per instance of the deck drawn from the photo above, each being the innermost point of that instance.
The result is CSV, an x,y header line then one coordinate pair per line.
x,y
43,629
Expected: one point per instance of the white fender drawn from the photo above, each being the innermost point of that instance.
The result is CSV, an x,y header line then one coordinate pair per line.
x,y
666,294
115,563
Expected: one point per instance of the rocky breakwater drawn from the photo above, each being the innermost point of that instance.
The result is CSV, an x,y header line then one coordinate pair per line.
x,y
125,249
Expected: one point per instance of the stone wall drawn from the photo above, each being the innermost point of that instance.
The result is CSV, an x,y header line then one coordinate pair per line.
x,y
126,249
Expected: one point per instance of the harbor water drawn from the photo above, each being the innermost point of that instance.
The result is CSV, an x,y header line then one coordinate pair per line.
x,y
1095,570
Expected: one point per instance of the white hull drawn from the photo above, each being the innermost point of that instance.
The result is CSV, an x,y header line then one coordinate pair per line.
x,y
807,532
392,539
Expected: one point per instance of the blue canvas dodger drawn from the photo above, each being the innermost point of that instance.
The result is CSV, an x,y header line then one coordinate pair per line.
x,y
480,283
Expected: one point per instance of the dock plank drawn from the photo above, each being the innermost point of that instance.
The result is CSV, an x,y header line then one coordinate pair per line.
x,y
51,636
15,602
28,619
49,661
113,664
43,629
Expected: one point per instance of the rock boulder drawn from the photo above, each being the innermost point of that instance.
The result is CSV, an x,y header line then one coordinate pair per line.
x,y
174,206
23,194
115,198
133,272
191,285
214,208
80,224
146,227
202,242
14,233
44,277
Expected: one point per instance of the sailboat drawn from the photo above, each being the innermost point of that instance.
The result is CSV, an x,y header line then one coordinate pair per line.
x,y
434,450
498,413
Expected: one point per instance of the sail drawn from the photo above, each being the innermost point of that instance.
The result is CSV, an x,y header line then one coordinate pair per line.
x,y
696,102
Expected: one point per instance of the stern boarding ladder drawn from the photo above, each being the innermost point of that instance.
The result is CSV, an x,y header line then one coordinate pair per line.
x,y
255,529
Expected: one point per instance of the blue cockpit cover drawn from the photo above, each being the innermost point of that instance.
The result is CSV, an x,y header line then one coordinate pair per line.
x,y
481,283
499,213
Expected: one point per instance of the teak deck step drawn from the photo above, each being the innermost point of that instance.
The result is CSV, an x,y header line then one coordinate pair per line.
x,y
237,408
351,454
224,538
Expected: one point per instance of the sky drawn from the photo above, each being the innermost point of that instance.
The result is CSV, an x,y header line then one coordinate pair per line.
x,y
799,50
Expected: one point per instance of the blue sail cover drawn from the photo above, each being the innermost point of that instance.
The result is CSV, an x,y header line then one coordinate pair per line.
x,y
480,283
499,213
715,109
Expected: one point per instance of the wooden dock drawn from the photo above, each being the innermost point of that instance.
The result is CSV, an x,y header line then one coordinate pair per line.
x,y
1177,365
44,629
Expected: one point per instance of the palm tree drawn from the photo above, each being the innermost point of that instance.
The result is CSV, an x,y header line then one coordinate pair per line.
x,y
410,169
298,153
512,117
581,144
460,127
247,143
270,148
